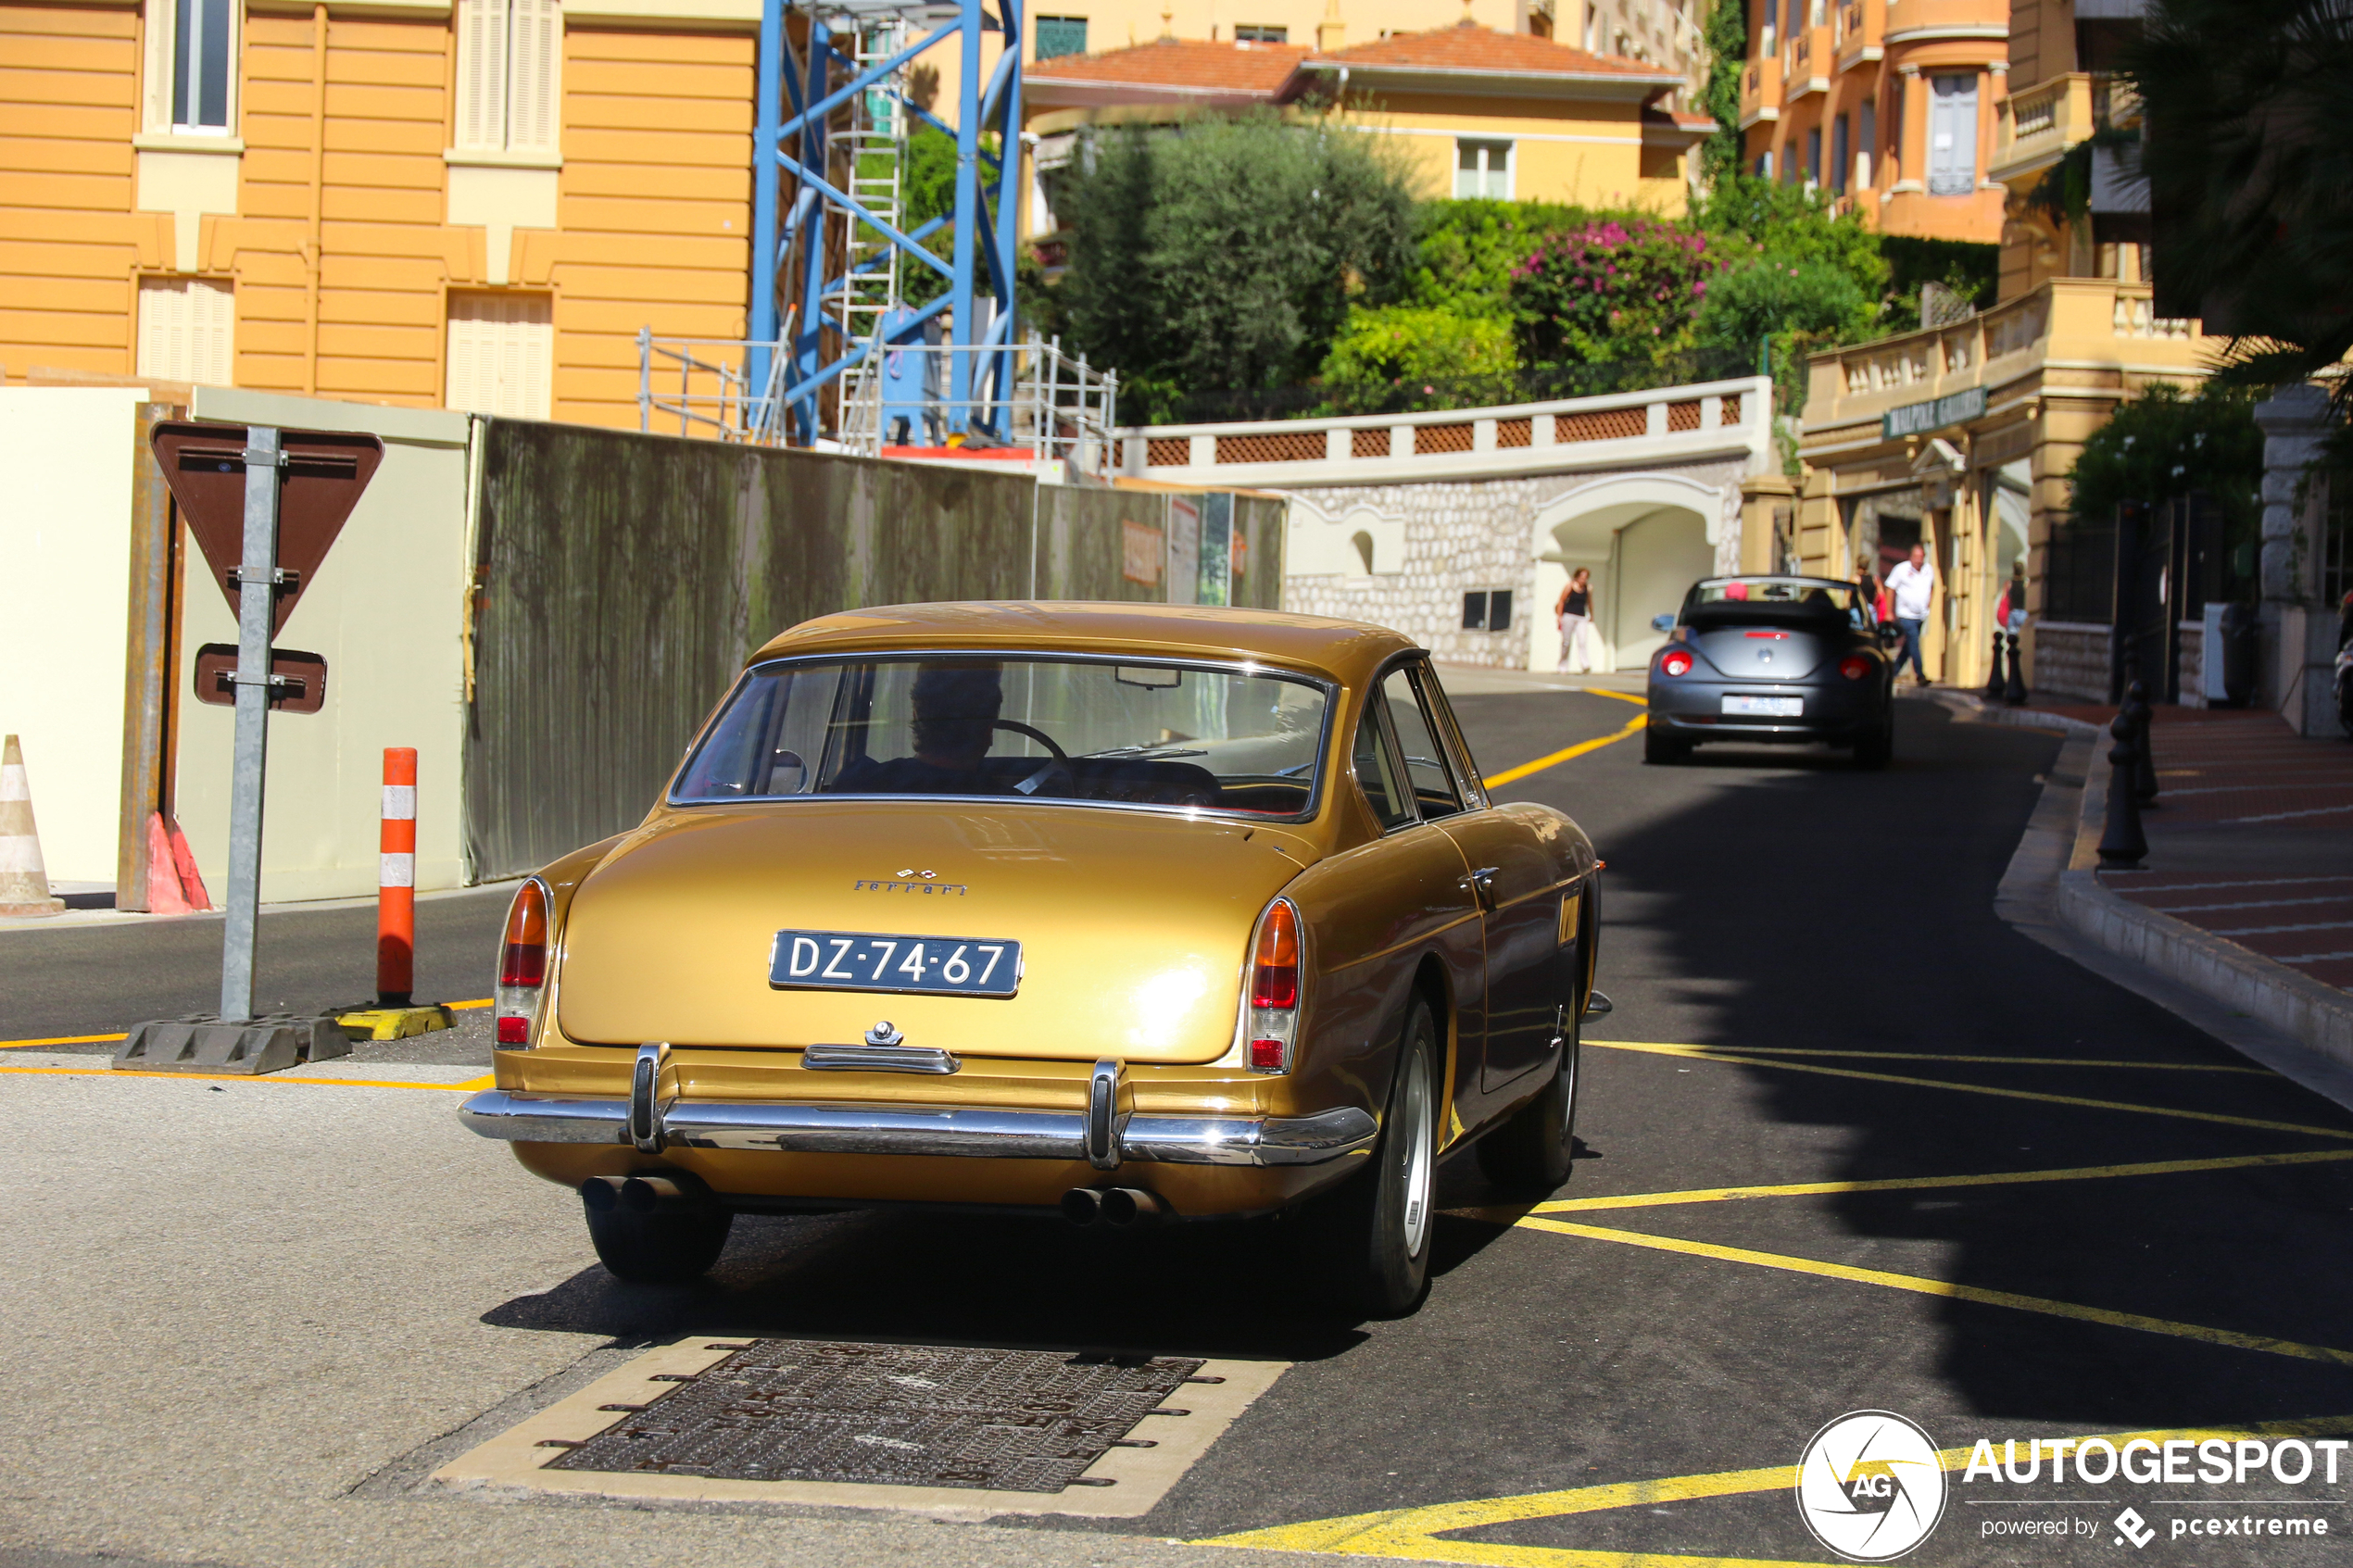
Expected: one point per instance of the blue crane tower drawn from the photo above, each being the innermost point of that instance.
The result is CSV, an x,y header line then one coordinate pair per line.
x,y
830,255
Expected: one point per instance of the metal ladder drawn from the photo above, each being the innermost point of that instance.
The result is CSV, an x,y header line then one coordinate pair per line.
x,y
876,143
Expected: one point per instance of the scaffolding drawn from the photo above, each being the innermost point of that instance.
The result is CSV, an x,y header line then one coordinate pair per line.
x,y
834,260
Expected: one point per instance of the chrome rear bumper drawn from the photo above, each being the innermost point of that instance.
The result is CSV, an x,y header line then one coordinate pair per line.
x,y
954,1130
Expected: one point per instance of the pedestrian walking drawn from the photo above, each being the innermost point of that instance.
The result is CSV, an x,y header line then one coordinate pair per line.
x,y
1575,612
2009,610
1912,585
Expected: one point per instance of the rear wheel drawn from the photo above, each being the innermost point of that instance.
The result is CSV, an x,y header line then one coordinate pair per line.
x,y
1876,748
1377,1229
659,1247
1532,1152
1660,747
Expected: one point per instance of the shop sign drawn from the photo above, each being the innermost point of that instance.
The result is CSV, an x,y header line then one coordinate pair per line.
x,y
1919,418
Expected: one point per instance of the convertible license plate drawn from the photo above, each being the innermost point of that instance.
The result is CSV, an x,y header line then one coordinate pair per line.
x,y
1769,707
864,961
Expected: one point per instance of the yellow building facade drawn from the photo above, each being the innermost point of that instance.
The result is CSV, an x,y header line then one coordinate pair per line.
x,y
1476,112
1887,105
411,202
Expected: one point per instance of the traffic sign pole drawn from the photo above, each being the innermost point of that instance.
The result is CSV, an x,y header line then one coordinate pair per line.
x,y
249,760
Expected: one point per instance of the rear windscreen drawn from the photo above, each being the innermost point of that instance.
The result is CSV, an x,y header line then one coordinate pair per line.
x,y
954,726
1774,601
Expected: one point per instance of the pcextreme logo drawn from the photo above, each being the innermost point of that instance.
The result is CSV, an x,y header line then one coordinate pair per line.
x,y
1870,1485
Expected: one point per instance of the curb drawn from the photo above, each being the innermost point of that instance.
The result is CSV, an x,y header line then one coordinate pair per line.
x,y
2318,1017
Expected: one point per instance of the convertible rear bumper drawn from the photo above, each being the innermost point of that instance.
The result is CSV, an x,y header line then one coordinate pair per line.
x,y
954,1130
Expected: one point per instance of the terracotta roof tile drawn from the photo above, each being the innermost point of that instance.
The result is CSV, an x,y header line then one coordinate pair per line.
x,y
1477,48
1185,63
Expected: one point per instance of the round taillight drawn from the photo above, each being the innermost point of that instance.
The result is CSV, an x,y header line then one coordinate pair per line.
x,y
1853,667
1675,661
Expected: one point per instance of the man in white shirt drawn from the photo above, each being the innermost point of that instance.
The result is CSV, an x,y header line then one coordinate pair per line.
x,y
1911,586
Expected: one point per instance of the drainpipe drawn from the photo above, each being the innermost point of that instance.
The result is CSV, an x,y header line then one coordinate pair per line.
x,y
318,197
768,113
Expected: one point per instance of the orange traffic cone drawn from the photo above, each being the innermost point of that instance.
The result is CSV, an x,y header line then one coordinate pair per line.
x,y
24,880
165,896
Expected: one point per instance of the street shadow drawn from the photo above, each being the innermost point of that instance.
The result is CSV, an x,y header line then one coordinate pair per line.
x,y
1820,907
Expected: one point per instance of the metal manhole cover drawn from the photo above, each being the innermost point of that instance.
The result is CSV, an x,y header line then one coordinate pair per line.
x,y
789,1409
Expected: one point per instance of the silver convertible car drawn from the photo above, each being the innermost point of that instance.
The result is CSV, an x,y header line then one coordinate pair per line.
x,y
1787,660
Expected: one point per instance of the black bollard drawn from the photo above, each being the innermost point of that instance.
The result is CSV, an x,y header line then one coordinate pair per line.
x,y
2123,845
2015,693
1993,680
2137,699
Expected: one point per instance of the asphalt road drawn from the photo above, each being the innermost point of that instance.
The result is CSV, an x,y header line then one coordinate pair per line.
x,y
264,1312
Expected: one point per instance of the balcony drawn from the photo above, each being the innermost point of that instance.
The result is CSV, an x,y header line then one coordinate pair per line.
x,y
1761,91
2037,124
1860,36
1807,62
2086,323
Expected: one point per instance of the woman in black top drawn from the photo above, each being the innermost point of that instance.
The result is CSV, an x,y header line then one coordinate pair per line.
x,y
1575,612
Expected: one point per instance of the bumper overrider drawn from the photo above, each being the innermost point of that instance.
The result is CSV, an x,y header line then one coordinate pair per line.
x,y
1102,1135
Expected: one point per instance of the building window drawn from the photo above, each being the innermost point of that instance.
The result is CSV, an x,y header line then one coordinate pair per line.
x,y
1838,156
192,51
1482,170
502,353
1765,163
1260,34
509,59
1814,155
1952,136
1058,36
187,331
1864,143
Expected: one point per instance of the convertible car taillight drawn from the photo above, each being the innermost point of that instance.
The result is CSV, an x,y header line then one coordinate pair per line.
x,y
1675,661
1853,667
522,964
1274,989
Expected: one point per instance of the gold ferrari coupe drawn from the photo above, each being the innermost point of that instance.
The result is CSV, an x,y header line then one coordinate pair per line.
x,y
1128,913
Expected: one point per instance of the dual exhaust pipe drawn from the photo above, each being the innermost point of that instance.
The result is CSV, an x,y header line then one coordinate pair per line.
x,y
1120,1207
644,1193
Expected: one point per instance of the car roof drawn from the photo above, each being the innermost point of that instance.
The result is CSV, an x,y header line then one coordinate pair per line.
x,y
1348,651
1774,577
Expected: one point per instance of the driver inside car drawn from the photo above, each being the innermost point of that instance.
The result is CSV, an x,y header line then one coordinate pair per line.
x,y
955,709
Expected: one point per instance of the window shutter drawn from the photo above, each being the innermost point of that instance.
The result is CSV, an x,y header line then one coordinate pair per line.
x,y
482,75
187,331
1952,136
533,106
501,354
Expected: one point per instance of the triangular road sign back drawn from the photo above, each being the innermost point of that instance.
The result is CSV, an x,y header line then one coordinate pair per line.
x,y
325,472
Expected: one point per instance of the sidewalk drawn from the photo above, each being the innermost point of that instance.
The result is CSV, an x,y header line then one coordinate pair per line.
x,y
2247,893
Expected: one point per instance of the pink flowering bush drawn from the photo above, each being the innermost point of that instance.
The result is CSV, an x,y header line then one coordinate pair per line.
x,y
1617,288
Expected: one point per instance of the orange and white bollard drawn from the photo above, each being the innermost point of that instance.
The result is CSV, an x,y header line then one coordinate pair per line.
x,y
396,1015
397,881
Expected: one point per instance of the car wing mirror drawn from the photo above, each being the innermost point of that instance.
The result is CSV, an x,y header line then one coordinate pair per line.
x,y
1662,624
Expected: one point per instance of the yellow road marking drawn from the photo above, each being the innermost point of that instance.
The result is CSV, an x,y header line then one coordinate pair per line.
x,y
1925,1287
1616,696
1699,1053
1510,774
1903,1183
1411,1532
481,1083
60,1040
2002,1060
104,1039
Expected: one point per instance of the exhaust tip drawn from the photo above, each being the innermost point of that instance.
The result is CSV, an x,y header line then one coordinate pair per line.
x,y
1123,1207
600,1194
1082,1206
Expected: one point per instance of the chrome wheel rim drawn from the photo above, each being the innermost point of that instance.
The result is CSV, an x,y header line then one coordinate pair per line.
x,y
1420,1157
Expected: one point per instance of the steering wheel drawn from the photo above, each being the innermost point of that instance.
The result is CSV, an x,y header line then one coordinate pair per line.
x,y
1037,781
1040,736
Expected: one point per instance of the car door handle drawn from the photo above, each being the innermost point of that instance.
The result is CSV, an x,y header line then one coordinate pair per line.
x,y
1482,882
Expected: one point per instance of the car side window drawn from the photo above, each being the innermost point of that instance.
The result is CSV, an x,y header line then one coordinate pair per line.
x,y
1465,765
1426,765
1378,775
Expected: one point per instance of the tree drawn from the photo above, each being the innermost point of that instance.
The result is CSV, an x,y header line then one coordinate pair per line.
x,y
1615,289
1793,307
2162,445
1726,34
1402,358
1223,256
2247,147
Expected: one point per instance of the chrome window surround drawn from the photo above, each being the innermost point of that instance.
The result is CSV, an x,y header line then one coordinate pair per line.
x,y
956,1130
1329,687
